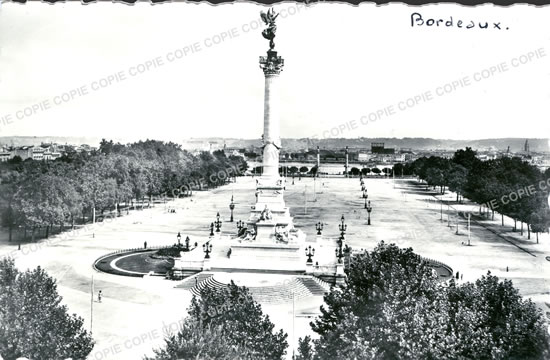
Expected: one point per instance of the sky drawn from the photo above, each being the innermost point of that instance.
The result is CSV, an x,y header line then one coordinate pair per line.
x,y
177,70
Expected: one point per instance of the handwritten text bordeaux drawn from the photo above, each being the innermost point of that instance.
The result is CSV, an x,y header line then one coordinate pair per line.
x,y
417,20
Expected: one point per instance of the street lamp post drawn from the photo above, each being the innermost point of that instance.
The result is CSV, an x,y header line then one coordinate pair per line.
x,y
218,222
309,253
365,196
211,229
179,238
339,254
319,227
369,209
187,243
342,227
207,248
231,207
468,229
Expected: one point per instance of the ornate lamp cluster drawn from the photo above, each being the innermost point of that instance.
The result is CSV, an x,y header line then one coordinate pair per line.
x,y
339,250
187,242
368,206
207,248
309,253
319,228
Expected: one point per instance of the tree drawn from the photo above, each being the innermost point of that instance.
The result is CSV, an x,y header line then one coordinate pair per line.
x,y
293,170
313,170
398,169
230,311
360,318
304,169
376,170
354,171
45,200
305,349
458,176
392,306
489,320
365,171
33,323
539,219
197,341
10,214
467,158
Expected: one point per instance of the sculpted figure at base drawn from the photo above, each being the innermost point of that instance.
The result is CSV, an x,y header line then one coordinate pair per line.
x,y
266,214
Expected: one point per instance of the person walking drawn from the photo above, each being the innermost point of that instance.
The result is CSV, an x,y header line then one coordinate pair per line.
x,y
145,244
99,296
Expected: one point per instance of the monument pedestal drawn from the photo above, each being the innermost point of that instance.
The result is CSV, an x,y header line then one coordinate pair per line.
x,y
268,256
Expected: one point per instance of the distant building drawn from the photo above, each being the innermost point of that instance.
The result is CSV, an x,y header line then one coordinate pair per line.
x,y
38,153
485,157
378,148
363,157
24,152
5,156
233,152
399,157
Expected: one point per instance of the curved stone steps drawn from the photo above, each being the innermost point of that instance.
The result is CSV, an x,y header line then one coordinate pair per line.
x,y
210,282
297,288
313,286
325,285
192,281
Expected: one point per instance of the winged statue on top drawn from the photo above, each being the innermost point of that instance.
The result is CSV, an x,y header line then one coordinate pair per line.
x,y
269,18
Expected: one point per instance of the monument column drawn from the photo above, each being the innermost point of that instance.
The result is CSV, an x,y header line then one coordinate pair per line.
x,y
272,66
347,162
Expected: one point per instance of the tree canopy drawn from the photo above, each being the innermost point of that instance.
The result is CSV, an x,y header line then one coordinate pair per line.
x,y
510,186
33,323
392,306
43,193
225,323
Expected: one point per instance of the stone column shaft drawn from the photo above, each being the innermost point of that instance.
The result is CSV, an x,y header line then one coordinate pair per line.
x,y
271,127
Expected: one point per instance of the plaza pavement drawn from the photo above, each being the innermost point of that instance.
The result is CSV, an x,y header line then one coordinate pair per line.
x,y
135,312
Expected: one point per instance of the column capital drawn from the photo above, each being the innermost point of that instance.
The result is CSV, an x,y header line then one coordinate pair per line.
x,y
271,64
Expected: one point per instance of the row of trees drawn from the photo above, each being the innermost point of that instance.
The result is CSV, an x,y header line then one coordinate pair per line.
x,y
509,186
392,306
40,194
294,170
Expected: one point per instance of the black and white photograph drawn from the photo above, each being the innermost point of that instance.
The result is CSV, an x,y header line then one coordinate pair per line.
x,y
287,181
